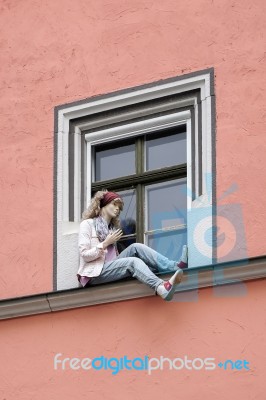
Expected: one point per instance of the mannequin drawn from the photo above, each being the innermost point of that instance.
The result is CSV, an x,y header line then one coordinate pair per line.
x,y
101,221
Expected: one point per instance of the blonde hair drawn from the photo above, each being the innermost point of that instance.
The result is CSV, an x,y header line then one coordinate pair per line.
x,y
93,210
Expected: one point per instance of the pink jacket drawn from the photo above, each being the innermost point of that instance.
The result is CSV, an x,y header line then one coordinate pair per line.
x,y
91,254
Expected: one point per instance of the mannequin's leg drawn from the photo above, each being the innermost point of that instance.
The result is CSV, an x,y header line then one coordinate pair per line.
x,y
123,267
156,261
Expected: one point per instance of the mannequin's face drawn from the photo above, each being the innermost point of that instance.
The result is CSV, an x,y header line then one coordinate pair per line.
x,y
112,209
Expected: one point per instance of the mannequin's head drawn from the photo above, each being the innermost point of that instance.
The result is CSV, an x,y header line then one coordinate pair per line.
x,y
112,209
105,203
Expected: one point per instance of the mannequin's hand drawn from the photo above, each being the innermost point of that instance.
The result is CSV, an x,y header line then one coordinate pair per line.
x,y
112,237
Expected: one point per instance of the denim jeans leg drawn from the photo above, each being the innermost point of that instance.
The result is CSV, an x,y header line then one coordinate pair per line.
x,y
156,261
123,267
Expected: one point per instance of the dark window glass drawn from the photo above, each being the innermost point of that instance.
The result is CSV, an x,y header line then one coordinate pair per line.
x,y
165,149
114,162
166,204
128,215
122,244
168,243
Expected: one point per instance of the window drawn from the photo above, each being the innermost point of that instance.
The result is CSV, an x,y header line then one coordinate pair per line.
x,y
155,211
154,145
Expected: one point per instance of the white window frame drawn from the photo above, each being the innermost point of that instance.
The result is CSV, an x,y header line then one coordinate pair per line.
x,y
66,257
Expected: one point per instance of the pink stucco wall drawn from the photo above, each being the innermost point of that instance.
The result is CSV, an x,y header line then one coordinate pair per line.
x,y
209,327
55,52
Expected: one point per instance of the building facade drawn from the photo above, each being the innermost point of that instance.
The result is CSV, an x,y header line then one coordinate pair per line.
x,y
163,103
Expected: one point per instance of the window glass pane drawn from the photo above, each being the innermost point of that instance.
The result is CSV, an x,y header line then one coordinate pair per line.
x,y
169,244
114,162
128,215
122,244
165,149
166,204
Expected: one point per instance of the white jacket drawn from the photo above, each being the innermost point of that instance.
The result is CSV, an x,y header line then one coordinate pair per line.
x,y
91,253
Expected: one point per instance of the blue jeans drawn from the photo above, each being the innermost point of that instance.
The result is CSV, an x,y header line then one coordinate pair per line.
x,y
139,261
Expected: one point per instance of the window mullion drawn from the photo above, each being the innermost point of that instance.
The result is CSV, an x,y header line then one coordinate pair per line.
x,y
178,171
139,189
139,213
167,229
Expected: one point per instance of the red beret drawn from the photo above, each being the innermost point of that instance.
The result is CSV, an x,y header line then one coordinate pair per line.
x,y
108,197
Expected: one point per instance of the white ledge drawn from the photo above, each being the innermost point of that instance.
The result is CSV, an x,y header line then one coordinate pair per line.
x,y
194,278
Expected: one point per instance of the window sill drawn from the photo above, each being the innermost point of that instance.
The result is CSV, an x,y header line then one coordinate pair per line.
x,y
194,278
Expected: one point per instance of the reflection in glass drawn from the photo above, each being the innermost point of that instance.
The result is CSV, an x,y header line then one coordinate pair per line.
x,y
114,162
169,244
165,150
122,244
128,215
166,204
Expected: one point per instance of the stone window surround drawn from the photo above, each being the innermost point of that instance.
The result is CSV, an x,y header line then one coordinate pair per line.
x,y
66,231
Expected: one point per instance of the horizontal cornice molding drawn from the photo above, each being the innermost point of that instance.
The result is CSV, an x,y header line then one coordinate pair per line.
x,y
194,278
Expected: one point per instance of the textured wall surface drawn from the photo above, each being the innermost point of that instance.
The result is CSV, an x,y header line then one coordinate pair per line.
x,y
207,326
54,52
58,52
